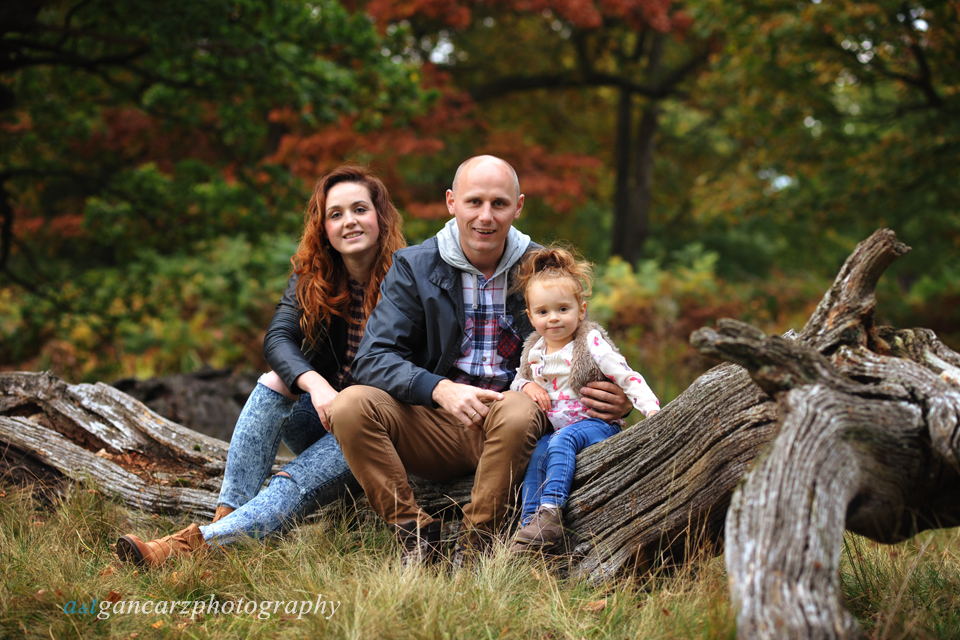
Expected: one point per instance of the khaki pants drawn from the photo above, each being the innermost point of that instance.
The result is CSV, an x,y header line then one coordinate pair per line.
x,y
384,439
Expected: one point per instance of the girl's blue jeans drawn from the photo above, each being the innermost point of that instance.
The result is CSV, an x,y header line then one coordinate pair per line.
x,y
318,475
550,471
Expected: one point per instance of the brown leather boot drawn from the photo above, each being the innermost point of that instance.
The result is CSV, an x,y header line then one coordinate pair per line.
x,y
472,545
222,512
418,545
152,554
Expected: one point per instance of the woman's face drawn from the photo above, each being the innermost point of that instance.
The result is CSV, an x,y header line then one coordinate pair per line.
x,y
350,221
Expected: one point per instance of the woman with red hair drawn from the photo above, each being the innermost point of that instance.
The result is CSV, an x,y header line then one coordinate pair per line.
x,y
350,233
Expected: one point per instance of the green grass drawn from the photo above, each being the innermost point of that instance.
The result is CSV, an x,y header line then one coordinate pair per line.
x,y
55,554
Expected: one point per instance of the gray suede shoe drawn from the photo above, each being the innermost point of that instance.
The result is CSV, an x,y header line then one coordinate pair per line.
x,y
545,531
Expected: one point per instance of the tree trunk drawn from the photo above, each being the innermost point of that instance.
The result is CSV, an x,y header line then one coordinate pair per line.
x,y
643,184
864,424
208,401
868,441
622,202
632,223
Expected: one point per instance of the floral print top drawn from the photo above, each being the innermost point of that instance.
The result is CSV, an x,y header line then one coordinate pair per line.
x,y
552,372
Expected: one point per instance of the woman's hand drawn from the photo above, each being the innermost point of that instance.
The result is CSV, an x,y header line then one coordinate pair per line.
x,y
539,395
321,394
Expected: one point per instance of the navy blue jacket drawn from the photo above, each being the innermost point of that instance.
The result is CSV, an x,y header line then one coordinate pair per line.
x,y
414,335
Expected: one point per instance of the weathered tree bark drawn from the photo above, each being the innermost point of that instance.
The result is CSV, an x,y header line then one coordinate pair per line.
x,y
53,434
863,420
644,491
207,401
868,441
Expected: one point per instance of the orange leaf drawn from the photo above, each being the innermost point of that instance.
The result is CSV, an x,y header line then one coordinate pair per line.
x,y
596,606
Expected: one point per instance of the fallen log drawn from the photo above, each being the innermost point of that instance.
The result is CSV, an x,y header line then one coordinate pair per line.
x,y
869,426
643,492
54,434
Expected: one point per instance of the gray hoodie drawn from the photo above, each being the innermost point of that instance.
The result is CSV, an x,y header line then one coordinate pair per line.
x,y
448,242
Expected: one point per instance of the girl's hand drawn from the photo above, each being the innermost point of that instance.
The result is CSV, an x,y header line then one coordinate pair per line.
x,y
321,394
539,395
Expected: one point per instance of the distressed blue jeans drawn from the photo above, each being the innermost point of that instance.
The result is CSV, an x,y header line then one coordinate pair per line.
x,y
318,475
550,472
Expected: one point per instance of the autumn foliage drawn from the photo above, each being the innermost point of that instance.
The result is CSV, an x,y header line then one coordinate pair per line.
x,y
154,160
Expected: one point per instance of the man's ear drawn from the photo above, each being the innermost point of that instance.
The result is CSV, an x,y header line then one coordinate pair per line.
x,y
450,201
519,207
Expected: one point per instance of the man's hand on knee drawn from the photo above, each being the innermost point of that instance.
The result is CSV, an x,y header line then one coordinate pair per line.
x,y
466,403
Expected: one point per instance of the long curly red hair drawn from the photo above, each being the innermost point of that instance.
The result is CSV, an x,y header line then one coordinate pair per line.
x,y
322,289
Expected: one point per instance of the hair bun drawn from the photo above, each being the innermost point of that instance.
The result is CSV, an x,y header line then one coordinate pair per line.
x,y
554,262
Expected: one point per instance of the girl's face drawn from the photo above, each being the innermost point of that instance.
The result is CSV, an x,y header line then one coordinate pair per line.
x,y
350,221
555,311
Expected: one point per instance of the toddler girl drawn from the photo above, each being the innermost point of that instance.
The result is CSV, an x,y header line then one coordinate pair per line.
x,y
566,352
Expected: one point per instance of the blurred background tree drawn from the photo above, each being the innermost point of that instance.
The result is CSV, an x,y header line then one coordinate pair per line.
x,y
137,193
715,159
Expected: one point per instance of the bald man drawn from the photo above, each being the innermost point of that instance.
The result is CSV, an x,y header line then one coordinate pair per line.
x,y
439,353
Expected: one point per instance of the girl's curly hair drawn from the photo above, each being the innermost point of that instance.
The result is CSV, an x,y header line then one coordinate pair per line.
x,y
322,289
553,262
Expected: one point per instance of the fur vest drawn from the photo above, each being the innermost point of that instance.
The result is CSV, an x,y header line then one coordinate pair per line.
x,y
583,369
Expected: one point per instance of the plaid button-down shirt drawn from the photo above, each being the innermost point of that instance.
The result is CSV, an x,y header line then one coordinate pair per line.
x,y
491,346
354,332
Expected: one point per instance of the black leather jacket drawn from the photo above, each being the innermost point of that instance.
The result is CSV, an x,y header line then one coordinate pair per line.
x,y
286,351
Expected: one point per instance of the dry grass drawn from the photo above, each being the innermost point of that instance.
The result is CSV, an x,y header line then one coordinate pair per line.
x,y
55,554
908,590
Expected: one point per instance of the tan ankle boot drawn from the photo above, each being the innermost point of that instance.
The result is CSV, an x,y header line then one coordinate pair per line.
x,y
222,512
130,548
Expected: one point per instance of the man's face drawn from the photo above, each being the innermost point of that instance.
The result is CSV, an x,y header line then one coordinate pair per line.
x,y
485,206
